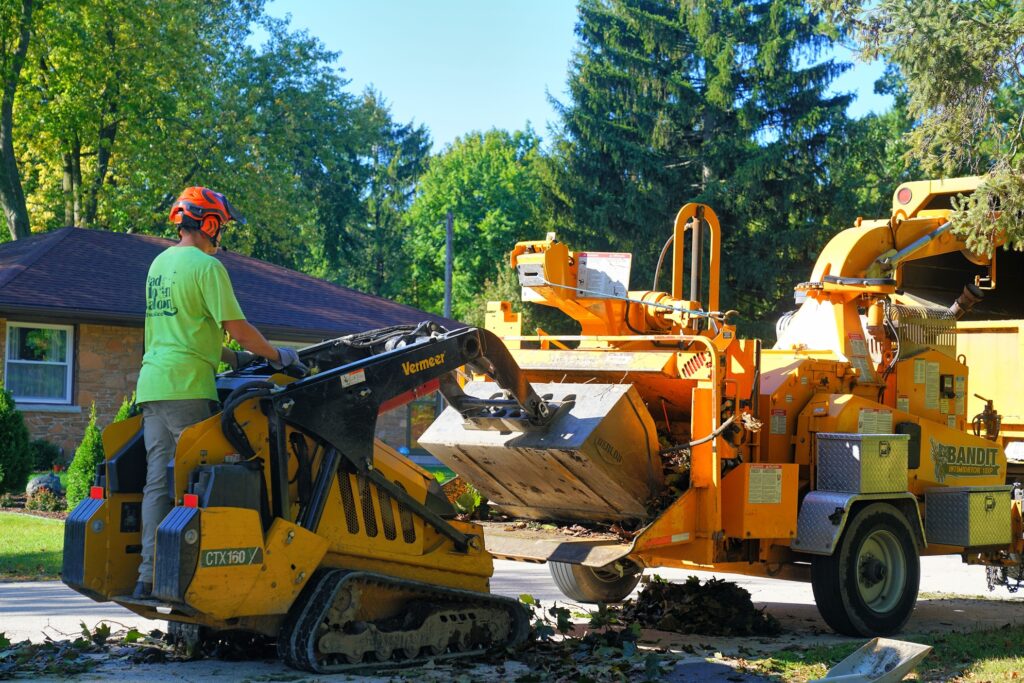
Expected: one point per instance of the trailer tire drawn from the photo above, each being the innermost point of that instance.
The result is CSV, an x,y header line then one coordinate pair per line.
x,y
586,584
868,586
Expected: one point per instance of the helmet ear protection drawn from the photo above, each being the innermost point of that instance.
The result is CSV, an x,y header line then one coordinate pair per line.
x,y
210,226
211,210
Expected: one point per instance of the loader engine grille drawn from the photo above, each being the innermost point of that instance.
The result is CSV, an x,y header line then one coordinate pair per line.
x,y
373,501
920,328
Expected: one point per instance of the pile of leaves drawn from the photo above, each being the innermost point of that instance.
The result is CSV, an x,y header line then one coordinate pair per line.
x,y
468,502
77,654
607,650
713,607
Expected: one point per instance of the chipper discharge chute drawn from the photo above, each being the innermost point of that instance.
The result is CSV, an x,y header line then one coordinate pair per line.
x,y
290,521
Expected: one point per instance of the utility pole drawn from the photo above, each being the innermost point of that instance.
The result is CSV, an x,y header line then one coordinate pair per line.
x,y
448,238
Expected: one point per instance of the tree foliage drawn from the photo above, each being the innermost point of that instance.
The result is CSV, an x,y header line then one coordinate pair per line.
x,y
89,454
15,454
963,63
491,184
691,100
122,104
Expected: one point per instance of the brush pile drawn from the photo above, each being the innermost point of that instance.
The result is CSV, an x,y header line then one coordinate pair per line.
x,y
713,607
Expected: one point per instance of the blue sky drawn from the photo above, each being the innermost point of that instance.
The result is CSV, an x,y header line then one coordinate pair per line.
x,y
462,65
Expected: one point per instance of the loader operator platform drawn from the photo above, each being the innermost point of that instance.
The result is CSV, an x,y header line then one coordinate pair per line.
x,y
189,305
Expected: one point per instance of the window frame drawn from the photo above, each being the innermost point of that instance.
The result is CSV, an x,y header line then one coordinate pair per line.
x,y
69,395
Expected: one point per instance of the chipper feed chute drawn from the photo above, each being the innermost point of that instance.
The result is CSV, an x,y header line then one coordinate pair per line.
x,y
597,461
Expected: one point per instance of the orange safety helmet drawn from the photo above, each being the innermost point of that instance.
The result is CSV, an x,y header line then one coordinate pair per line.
x,y
210,209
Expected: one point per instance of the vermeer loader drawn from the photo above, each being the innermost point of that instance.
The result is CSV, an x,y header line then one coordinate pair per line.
x,y
838,457
290,521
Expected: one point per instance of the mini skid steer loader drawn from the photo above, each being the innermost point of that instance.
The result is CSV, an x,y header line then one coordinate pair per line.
x,y
291,521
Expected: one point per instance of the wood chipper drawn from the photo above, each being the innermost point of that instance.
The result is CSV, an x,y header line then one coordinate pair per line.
x,y
839,456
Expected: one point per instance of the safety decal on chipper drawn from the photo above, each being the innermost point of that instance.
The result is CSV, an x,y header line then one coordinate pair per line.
x,y
860,358
765,484
874,421
229,557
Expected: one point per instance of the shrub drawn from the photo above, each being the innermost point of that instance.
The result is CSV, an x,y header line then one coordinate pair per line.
x,y
6,500
46,501
44,454
89,453
87,456
127,409
15,456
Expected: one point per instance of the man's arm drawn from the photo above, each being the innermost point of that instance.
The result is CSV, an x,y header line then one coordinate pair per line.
x,y
251,340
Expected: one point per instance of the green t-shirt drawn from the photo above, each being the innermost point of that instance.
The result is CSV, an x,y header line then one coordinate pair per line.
x,y
188,297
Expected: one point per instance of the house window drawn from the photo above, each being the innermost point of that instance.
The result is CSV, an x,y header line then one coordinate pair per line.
x,y
38,362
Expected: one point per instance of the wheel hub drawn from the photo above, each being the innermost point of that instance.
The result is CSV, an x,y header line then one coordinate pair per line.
x,y
872,571
881,571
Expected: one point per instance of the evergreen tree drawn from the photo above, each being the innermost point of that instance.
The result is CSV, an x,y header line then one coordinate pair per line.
x,y
88,455
699,100
15,455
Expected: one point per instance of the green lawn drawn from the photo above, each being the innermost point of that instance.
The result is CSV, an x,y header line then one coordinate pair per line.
x,y
30,547
977,656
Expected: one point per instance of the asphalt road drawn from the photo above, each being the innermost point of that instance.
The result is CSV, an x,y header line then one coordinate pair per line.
x,y
33,610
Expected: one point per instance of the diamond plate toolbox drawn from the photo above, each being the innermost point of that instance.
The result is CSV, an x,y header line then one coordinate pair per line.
x,y
862,463
968,516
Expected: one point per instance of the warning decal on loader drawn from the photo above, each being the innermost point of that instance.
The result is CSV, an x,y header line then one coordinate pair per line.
x,y
230,557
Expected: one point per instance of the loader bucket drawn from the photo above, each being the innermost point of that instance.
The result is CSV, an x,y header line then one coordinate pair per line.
x,y
597,461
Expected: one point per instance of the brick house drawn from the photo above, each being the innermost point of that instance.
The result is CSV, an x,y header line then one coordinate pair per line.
x,y
72,309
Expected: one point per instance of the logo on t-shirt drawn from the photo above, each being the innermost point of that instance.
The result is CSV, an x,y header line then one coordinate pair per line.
x,y
158,297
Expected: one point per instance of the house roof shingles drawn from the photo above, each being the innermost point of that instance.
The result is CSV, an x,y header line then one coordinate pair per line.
x,y
79,275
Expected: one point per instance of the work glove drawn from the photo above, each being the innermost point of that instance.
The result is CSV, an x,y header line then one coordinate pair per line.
x,y
242,358
289,359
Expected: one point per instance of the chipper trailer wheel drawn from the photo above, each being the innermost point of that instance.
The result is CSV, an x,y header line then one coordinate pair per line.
x,y
868,586
586,584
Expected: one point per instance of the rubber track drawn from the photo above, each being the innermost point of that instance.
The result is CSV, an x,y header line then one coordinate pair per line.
x,y
296,643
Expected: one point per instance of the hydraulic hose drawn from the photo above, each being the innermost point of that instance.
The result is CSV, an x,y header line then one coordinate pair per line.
x,y
233,432
704,439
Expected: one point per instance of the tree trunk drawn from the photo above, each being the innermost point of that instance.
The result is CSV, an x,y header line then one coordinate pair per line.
x,y
12,195
68,188
105,146
103,152
76,180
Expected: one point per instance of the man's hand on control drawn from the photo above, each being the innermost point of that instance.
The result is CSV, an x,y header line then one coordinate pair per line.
x,y
288,358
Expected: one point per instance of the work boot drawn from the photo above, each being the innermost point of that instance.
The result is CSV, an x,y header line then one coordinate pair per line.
x,y
142,590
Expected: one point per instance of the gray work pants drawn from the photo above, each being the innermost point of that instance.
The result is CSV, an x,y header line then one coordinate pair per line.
x,y
162,425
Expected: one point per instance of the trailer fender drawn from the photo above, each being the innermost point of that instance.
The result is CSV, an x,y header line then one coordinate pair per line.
x,y
823,516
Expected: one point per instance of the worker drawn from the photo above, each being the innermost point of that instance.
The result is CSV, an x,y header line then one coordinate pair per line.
x,y
189,305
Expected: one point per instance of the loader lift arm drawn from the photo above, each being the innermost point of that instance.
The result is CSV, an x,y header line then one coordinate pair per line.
x,y
339,406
